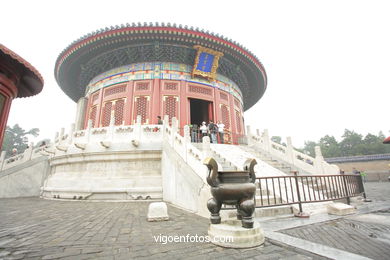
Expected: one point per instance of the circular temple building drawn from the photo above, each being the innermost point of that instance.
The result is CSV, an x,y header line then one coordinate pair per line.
x,y
123,78
154,70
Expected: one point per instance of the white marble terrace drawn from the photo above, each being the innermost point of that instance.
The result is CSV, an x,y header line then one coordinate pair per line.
x,y
148,162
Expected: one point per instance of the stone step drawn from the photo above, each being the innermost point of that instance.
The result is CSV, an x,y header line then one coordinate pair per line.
x,y
226,166
287,210
267,200
264,192
317,186
229,168
269,160
273,211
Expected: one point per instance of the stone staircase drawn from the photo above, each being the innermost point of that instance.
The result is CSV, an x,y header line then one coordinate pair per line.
x,y
226,165
264,199
286,168
274,162
268,166
223,162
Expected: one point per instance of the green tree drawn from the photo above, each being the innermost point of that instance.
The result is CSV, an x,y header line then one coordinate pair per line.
x,y
329,146
17,137
351,143
309,148
373,144
277,139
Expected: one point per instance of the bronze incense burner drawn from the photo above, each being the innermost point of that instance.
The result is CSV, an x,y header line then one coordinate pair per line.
x,y
232,188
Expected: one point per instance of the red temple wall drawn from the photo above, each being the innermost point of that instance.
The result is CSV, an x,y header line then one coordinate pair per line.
x,y
157,97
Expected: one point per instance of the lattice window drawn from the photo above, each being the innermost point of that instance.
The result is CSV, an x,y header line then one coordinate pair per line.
x,y
95,97
141,108
118,111
225,116
200,90
106,114
223,96
238,121
170,86
142,86
92,115
114,90
170,107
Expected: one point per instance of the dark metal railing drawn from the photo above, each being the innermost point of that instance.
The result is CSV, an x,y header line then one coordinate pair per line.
x,y
297,189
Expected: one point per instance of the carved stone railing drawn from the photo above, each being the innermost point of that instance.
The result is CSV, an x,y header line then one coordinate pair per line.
x,y
111,137
29,154
287,154
92,140
183,147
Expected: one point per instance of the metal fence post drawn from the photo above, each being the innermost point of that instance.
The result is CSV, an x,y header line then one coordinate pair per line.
x,y
298,195
361,188
346,189
300,214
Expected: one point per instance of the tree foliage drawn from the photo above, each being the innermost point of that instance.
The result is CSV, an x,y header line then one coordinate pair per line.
x,y
17,137
278,140
352,143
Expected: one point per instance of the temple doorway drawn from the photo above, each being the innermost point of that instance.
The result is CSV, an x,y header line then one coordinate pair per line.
x,y
200,110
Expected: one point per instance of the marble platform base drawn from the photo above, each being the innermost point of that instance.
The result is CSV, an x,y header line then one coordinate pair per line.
x,y
231,234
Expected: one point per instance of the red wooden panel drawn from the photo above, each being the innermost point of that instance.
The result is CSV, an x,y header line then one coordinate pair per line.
x,y
106,114
119,111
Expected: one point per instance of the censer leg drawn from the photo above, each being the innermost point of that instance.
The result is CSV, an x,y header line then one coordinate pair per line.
x,y
214,207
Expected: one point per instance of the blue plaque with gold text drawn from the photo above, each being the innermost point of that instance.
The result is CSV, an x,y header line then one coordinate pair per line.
x,y
206,63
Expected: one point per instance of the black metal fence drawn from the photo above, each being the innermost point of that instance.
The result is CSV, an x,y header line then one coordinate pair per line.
x,y
297,189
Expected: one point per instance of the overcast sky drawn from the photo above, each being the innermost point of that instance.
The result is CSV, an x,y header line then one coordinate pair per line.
x,y
327,61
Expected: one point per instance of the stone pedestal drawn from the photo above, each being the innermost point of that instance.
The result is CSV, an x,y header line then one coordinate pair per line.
x,y
340,209
158,211
231,234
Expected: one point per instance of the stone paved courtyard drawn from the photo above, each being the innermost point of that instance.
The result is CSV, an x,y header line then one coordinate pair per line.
x,y
33,228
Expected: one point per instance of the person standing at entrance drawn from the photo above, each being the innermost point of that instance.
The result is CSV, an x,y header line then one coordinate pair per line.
x,y
203,130
221,129
194,133
213,132
159,121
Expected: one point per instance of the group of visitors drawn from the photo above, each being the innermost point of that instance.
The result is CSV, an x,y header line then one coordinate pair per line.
x,y
213,130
